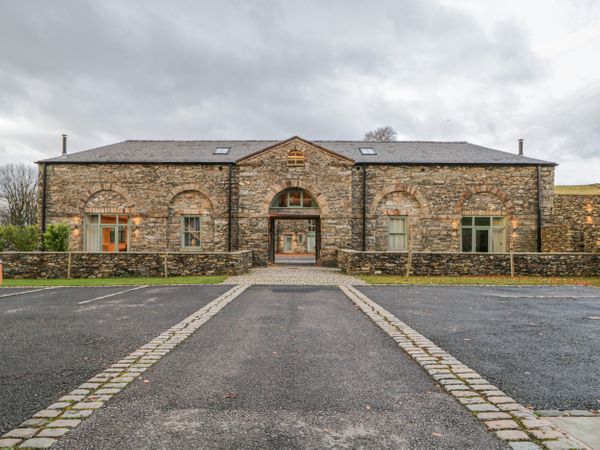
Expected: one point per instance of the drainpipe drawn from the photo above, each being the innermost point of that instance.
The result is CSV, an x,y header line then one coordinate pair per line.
x,y
230,209
539,208
364,208
44,190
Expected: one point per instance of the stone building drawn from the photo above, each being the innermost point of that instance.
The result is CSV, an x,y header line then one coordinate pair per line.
x,y
217,196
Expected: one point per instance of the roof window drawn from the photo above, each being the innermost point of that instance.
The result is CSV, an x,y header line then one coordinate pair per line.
x,y
222,150
367,151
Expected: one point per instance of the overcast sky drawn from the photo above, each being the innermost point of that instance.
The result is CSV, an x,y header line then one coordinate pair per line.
x,y
487,72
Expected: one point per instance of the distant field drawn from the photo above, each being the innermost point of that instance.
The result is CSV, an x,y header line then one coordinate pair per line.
x,y
581,189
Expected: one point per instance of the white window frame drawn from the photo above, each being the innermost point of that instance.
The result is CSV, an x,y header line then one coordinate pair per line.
x,y
490,228
404,234
183,232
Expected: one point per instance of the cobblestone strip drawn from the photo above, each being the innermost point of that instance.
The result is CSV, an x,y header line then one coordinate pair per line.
x,y
48,425
501,414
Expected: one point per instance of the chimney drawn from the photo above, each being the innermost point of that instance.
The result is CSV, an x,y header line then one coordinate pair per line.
x,y
64,140
520,147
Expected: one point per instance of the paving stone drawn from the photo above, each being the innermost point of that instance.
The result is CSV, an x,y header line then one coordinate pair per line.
x,y
89,386
549,413
450,381
47,413
484,387
579,413
71,398
493,393
563,444
77,414
456,387
88,405
524,446
68,423
34,423
23,433
104,391
482,407
59,405
493,416
547,434
115,385
502,425
535,423
98,398
38,443
9,442
498,400
512,435
465,393
470,400
53,432
79,392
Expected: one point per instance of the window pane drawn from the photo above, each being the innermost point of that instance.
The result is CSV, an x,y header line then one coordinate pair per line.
x,y
396,242
307,200
482,221
282,203
498,238
482,241
396,225
467,221
92,234
497,221
295,198
109,219
122,247
467,239
123,220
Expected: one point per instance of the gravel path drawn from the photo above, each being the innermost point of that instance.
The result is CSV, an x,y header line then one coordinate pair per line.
x,y
295,275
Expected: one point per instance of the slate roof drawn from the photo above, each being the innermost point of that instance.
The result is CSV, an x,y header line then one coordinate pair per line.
x,y
195,152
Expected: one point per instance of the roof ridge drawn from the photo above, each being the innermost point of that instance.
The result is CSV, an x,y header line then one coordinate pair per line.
x,y
315,140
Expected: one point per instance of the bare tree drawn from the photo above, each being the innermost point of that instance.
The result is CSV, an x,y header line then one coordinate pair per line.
x,y
381,134
18,199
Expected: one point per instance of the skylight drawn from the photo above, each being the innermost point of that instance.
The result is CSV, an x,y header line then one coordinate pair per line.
x,y
222,150
367,151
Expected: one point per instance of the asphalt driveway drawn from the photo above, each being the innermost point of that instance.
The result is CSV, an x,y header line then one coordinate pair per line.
x,y
541,345
284,367
50,343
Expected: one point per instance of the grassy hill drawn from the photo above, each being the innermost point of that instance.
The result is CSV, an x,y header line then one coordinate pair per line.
x,y
581,189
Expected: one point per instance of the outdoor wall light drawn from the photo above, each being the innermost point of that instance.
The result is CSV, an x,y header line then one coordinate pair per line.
x,y
137,220
75,221
589,207
589,220
514,223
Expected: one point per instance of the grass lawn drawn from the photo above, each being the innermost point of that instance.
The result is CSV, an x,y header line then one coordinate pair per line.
x,y
483,280
116,281
582,189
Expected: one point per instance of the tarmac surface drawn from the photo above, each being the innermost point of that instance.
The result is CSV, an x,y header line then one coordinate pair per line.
x,y
540,345
284,367
50,344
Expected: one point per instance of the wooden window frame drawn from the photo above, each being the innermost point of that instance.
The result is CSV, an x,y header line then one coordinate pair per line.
x,y
490,228
295,158
404,235
184,232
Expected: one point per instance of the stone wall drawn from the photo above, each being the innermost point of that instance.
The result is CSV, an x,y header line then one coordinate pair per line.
x,y
477,264
575,225
105,265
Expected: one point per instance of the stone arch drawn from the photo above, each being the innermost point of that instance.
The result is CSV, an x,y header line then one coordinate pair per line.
x,y
188,200
399,187
290,184
469,194
190,187
106,198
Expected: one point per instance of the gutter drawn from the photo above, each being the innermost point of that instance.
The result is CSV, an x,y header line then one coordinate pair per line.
x,y
44,194
230,209
539,208
364,207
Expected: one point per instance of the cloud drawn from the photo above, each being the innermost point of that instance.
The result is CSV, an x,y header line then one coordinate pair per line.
x,y
112,70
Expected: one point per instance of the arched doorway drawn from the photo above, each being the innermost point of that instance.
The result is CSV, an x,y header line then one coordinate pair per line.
x,y
294,228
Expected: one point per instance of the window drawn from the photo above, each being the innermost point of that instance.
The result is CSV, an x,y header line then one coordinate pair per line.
x,y
222,150
367,151
106,233
396,233
295,158
190,232
483,234
294,198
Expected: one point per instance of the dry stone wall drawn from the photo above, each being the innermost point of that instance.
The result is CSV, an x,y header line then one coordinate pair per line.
x,y
108,265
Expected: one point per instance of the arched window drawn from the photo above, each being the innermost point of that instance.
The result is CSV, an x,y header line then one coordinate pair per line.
x,y
295,158
294,198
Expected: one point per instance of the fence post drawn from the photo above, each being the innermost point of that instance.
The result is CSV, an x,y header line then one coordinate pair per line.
x,y
512,265
166,274
1,272
69,265
408,263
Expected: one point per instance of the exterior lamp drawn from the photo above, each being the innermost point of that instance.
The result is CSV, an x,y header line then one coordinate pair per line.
x,y
455,228
514,223
589,207
589,220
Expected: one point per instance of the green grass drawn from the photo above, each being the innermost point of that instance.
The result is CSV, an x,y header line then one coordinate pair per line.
x,y
483,280
116,281
582,189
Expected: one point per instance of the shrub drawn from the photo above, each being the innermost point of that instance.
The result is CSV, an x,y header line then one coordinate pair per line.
x,y
18,239
56,237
